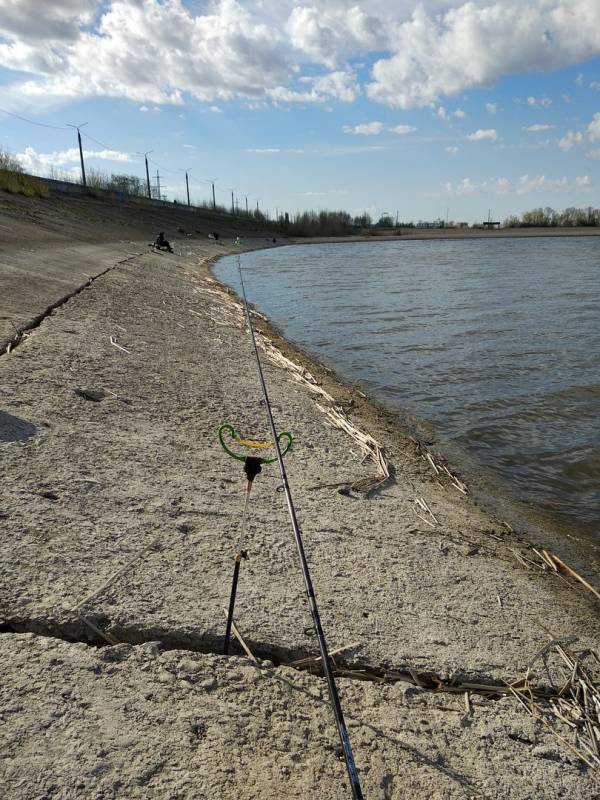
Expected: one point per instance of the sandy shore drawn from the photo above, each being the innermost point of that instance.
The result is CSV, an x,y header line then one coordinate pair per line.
x,y
113,478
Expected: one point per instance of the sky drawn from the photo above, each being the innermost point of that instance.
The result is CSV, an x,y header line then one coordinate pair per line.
x,y
439,109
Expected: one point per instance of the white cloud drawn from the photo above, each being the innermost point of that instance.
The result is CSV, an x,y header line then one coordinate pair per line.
x,y
61,20
401,130
467,187
154,52
365,129
163,51
570,140
33,161
595,85
579,79
329,193
527,184
538,127
340,86
478,42
491,108
443,113
327,34
593,128
375,128
144,108
594,154
524,185
451,150
215,110
269,150
539,102
483,134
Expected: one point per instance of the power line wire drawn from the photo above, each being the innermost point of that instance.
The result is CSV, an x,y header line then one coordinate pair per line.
x,y
32,122
164,169
106,146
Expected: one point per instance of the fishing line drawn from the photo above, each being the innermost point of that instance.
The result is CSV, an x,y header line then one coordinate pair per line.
x,y
312,601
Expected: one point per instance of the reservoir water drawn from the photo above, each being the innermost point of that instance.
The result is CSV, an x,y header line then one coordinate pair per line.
x,y
495,342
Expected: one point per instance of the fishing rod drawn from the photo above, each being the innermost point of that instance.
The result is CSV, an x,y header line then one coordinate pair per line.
x,y
312,601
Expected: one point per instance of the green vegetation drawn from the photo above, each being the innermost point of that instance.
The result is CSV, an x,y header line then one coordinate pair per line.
x,y
14,180
549,218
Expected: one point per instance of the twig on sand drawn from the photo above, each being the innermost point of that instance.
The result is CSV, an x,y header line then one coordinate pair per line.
x,y
108,637
558,561
113,341
422,504
311,661
576,705
240,639
115,575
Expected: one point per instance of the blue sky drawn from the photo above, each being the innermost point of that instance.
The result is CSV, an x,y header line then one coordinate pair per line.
x,y
425,110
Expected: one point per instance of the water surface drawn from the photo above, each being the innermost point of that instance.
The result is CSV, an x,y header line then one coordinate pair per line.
x,y
496,342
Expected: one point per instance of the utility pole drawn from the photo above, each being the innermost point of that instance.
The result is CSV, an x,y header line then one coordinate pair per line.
x,y
212,183
83,180
276,214
187,184
246,199
148,190
232,203
158,185
257,208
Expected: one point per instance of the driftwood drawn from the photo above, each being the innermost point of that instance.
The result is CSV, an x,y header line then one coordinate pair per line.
x,y
551,562
573,574
575,706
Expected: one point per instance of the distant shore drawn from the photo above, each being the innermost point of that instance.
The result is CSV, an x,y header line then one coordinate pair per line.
x,y
447,233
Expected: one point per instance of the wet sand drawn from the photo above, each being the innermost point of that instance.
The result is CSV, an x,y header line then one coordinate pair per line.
x,y
113,478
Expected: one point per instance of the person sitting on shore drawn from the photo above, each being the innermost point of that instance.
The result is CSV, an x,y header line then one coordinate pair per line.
x,y
160,243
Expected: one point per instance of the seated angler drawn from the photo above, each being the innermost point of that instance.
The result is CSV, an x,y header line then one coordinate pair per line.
x,y
160,243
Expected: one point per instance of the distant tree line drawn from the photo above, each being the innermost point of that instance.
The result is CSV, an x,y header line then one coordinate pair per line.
x,y
318,223
549,218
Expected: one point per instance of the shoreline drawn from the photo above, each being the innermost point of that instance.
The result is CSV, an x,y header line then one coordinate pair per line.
x,y
542,527
118,532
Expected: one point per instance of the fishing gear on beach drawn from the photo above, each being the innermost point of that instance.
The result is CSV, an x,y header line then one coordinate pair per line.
x,y
252,467
312,601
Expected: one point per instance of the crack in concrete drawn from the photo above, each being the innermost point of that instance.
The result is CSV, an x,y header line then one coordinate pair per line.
x,y
75,631
8,345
